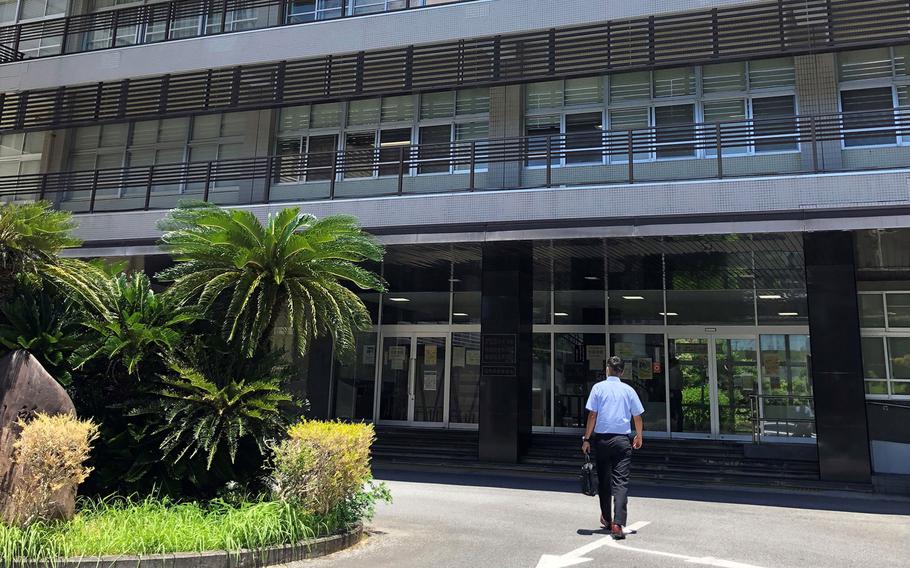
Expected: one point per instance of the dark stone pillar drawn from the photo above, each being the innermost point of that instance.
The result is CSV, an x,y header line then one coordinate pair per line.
x,y
505,374
837,373
318,379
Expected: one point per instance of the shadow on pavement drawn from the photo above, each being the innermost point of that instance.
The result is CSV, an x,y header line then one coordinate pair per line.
x,y
767,497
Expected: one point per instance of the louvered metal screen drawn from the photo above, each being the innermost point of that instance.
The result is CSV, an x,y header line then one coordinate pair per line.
x,y
759,30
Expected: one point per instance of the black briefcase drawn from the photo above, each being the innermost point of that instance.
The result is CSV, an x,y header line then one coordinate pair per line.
x,y
588,478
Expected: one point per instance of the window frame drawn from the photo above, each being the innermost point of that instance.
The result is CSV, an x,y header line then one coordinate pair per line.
x,y
412,155
885,334
698,99
895,81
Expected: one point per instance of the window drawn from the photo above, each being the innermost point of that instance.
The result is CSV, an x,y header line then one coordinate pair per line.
x,y
662,109
300,11
886,366
373,6
674,124
773,124
20,153
863,110
435,145
583,138
42,8
873,82
377,135
158,142
885,322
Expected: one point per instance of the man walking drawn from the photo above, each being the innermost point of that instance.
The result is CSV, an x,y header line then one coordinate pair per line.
x,y
612,406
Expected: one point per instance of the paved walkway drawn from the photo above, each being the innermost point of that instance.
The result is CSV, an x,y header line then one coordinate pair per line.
x,y
470,521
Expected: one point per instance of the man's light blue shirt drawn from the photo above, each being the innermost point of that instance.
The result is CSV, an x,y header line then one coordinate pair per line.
x,y
615,404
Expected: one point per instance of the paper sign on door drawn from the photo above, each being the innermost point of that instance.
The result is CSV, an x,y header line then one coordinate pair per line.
x,y
458,356
429,356
429,380
397,356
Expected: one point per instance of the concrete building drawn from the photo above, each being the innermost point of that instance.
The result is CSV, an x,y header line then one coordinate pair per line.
x,y
716,190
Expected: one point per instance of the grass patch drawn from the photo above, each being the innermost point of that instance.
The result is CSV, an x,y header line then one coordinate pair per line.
x,y
157,525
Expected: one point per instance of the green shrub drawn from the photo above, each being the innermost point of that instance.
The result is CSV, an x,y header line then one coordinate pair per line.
x,y
322,465
117,526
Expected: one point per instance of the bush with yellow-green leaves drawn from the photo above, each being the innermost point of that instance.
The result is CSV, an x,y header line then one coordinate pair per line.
x,y
325,467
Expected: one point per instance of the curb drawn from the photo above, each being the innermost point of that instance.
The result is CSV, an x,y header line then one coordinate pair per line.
x,y
269,556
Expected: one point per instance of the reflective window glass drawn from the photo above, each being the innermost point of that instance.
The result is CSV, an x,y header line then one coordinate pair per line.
x,y
866,109
674,124
464,397
871,310
723,77
583,138
472,101
675,82
397,109
586,91
629,86
578,365
363,111
771,73
898,310
544,95
645,372
418,285
864,64
540,386
899,355
437,105
773,124
325,115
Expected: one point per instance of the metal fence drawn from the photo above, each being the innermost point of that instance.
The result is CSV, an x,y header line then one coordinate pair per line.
x,y
773,146
791,416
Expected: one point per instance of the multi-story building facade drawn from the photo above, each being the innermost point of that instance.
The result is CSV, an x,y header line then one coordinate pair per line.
x,y
716,190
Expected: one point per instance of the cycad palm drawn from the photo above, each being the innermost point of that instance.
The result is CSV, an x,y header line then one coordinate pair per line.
x,y
31,237
247,275
143,325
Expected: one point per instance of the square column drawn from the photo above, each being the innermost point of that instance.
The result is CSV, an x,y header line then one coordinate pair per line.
x,y
505,351
837,365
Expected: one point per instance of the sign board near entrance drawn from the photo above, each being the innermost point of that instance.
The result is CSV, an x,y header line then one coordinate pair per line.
x,y
499,354
499,349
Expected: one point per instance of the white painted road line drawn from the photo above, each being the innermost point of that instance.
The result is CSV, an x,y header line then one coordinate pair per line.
x,y
706,560
576,556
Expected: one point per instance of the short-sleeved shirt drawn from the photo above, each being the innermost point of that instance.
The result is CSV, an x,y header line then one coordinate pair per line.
x,y
615,404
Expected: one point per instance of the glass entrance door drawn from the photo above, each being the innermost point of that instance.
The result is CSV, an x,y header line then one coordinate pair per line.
x,y
413,379
690,386
711,379
736,369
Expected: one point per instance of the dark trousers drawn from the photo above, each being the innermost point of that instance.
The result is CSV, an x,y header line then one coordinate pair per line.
x,y
613,456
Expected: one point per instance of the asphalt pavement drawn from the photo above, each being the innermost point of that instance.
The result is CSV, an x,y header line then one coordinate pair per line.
x,y
441,520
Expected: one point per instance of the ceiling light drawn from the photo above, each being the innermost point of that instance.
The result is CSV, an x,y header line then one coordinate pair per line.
x,y
633,297
770,296
460,314
399,300
788,314
560,314
454,280
591,278
669,314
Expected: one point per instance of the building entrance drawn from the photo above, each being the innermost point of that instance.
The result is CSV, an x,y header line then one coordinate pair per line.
x,y
413,379
711,380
